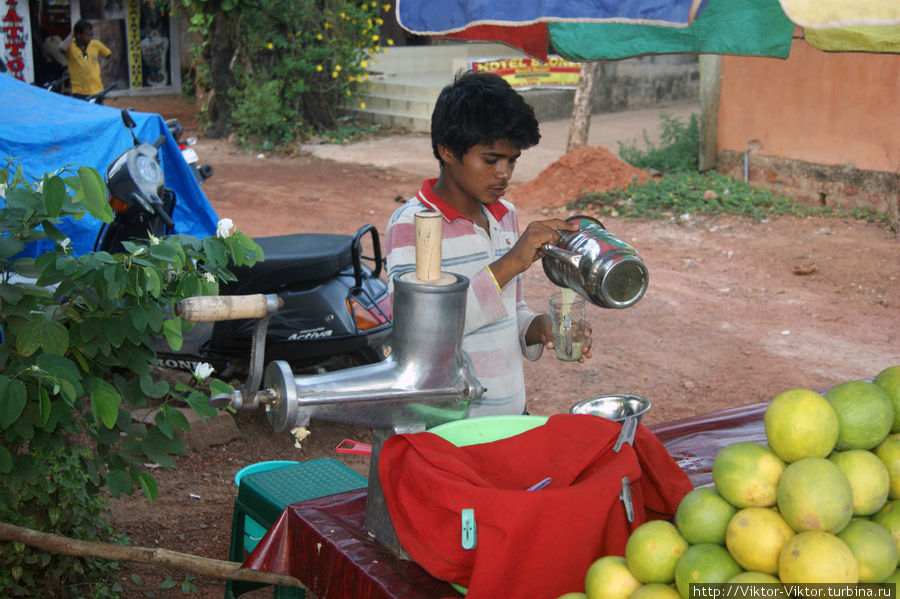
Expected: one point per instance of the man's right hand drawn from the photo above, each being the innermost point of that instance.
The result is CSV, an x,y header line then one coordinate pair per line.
x,y
527,249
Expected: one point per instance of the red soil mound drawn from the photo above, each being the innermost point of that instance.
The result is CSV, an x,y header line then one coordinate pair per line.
x,y
585,170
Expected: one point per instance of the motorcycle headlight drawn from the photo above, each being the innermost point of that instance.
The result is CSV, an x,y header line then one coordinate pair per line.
x,y
148,170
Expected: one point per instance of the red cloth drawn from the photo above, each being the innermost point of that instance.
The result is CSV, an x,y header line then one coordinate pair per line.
x,y
531,39
529,544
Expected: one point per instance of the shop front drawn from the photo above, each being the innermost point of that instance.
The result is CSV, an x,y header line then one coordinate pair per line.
x,y
144,42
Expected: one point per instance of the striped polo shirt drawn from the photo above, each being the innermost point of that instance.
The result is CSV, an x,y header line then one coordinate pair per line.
x,y
496,320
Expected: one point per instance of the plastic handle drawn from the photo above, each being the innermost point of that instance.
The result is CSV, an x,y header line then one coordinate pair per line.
x,y
351,446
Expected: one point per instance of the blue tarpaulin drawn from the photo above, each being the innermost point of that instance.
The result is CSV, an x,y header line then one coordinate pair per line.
x,y
43,132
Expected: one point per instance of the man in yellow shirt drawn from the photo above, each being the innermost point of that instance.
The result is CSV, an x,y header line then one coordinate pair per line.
x,y
83,57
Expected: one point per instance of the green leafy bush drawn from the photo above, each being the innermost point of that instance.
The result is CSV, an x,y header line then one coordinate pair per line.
x,y
678,150
75,362
684,193
300,62
49,491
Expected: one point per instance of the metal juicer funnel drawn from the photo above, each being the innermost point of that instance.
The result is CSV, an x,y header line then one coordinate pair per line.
x,y
425,381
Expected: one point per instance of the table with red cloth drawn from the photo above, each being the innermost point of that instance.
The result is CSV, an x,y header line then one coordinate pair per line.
x,y
323,542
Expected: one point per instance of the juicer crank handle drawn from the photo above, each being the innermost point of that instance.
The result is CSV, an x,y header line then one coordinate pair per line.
x,y
211,308
562,255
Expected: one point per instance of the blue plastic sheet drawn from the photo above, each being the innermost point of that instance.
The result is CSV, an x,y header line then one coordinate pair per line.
x,y
43,132
431,17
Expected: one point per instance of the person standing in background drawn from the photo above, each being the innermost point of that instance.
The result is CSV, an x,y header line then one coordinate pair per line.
x,y
83,54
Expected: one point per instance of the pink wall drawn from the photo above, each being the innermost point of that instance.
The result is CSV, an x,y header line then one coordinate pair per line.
x,y
820,107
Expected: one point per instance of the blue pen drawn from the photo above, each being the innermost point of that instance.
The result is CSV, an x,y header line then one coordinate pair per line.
x,y
539,485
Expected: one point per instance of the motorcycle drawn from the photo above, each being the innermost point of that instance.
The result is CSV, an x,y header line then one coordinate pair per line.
x,y
202,172
335,310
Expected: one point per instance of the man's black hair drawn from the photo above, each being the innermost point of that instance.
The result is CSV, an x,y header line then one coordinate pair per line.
x,y
81,26
481,108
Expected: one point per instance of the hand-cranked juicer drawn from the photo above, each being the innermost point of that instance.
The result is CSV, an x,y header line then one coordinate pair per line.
x,y
427,379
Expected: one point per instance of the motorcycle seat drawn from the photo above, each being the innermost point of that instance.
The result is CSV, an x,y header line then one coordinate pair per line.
x,y
297,258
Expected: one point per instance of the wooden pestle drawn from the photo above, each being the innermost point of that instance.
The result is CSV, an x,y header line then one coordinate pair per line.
x,y
428,249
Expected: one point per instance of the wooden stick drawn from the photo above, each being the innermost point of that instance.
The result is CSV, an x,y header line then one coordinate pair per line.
x,y
163,558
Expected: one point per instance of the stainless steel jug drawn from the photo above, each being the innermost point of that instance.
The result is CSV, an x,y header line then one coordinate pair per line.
x,y
596,264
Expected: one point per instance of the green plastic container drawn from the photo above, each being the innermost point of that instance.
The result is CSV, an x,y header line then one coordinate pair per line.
x,y
485,429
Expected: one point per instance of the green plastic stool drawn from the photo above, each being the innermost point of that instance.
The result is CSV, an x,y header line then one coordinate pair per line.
x,y
264,490
253,530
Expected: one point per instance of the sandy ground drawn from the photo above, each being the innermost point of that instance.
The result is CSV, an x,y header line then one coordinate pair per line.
x,y
727,319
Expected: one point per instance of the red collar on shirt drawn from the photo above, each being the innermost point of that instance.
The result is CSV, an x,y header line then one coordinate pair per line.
x,y
426,193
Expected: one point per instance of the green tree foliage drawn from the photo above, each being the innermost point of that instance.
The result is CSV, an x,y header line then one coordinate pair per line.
x,y
75,362
291,65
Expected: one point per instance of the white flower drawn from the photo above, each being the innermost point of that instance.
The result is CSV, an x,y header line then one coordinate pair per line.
x,y
209,278
202,371
153,239
224,228
3,188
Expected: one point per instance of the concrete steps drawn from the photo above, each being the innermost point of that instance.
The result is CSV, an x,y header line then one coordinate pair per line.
x,y
405,82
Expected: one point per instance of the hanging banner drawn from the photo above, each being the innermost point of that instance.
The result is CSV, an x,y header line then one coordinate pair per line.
x,y
15,47
528,73
133,24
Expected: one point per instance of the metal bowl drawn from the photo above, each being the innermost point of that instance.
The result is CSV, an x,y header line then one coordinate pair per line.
x,y
613,407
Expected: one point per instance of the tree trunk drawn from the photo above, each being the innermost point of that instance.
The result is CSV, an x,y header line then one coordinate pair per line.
x,y
580,124
223,33
710,83
162,558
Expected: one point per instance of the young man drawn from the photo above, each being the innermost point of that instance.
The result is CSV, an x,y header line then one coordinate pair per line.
x,y
83,57
479,128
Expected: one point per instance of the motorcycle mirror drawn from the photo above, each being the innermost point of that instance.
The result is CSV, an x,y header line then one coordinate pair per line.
x,y
126,118
129,122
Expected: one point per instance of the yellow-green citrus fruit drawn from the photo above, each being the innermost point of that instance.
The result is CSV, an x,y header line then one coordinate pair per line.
x,y
653,549
750,577
655,590
704,563
801,424
816,556
814,494
889,453
889,517
703,515
889,380
874,548
573,596
865,413
755,537
746,474
869,479
610,578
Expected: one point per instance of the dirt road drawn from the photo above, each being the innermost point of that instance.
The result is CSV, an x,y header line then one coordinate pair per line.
x,y
728,320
